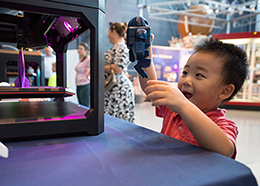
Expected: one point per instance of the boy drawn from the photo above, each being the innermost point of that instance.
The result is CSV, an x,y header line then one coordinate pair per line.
x,y
213,74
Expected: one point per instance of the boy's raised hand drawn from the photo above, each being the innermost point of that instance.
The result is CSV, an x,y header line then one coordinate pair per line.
x,y
162,93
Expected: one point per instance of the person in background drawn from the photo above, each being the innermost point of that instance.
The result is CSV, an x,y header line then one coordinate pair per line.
x,y
119,101
49,58
213,74
83,75
53,78
30,70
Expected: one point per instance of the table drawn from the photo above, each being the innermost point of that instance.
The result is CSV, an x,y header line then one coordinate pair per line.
x,y
125,154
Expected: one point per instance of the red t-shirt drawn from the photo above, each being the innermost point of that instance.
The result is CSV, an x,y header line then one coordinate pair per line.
x,y
174,126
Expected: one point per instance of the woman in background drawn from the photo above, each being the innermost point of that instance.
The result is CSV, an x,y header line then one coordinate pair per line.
x,y
83,75
119,101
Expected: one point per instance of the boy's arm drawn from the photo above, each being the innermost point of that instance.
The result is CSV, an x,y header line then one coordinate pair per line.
x,y
149,70
204,130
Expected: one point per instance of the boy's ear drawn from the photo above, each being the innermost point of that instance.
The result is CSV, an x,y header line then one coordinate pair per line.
x,y
227,91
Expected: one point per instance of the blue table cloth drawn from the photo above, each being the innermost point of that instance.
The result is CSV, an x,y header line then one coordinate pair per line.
x,y
125,154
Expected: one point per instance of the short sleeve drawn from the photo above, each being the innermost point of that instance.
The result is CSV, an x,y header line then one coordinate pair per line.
x,y
231,131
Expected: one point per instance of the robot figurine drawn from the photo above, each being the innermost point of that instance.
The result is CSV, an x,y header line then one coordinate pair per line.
x,y
138,41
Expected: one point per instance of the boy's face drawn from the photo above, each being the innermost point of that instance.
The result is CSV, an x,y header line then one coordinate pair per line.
x,y
201,81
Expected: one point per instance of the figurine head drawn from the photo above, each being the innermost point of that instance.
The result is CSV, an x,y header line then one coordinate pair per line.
x,y
138,31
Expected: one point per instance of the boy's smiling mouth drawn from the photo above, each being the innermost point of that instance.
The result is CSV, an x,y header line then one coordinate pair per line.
x,y
187,94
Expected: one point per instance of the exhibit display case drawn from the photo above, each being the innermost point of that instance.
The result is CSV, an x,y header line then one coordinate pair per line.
x,y
169,62
248,98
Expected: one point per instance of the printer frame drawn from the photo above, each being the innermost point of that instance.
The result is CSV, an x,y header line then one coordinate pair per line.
x,y
93,15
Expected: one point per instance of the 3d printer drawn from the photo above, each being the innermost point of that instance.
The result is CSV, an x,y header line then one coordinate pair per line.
x,y
37,24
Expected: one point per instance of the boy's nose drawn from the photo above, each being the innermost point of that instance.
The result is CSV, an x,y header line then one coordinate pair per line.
x,y
187,81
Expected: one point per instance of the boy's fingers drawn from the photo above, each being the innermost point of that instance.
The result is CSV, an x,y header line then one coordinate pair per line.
x,y
155,95
152,37
153,82
161,86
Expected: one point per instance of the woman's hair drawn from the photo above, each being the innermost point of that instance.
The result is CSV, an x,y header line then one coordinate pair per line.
x,y
234,61
86,47
118,27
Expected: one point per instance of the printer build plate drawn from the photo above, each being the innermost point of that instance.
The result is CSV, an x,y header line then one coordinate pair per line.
x,y
28,120
34,92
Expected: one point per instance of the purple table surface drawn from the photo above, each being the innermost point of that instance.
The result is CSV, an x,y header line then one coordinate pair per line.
x,y
125,154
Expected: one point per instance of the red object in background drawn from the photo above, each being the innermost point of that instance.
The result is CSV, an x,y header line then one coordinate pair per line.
x,y
237,35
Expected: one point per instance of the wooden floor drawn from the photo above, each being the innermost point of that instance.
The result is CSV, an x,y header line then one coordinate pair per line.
x,y
248,141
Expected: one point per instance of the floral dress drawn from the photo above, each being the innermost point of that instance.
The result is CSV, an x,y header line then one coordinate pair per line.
x,y
119,101
82,69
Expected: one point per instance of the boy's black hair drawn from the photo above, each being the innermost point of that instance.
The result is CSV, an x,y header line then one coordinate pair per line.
x,y
235,61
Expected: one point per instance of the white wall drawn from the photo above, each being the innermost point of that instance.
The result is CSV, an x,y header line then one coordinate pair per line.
x,y
72,60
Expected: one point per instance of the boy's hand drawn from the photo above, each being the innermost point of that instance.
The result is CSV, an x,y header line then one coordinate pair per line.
x,y
162,93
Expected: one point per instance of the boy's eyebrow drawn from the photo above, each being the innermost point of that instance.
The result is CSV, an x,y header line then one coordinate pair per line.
x,y
199,68
203,69
186,66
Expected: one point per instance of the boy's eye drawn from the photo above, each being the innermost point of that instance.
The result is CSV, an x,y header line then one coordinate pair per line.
x,y
184,73
199,75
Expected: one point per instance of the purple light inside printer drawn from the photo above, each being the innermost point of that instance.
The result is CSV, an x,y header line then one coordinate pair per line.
x,y
46,39
73,117
66,118
68,26
76,20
